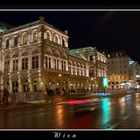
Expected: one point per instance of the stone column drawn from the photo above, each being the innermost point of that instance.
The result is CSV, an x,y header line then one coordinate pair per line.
x,y
66,65
39,80
10,84
29,81
39,60
20,62
19,81
29,60
10,62
2,82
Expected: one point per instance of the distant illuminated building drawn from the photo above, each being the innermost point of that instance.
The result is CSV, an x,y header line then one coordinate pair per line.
x,y
121,70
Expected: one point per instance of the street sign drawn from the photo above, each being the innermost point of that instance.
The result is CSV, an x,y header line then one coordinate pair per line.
x,y
105,82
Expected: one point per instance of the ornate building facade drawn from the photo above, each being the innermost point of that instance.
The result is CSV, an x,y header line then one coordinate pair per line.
x,y
35,57
97,65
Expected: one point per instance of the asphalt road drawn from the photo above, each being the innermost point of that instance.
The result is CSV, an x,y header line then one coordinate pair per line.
x,y
76,113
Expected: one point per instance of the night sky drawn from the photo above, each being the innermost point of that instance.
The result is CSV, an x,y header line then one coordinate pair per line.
x,y
112,31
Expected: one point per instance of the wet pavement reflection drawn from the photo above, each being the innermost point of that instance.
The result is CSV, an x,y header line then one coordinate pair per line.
x,y
77,113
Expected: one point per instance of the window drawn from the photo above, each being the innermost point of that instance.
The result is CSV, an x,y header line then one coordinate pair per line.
x,y
57,63
25,39
82,72
91,57
64,65
48,35
91,73
6,66
7,43
49,62
56,39
85,72
35,36
63,42
15,65
24,63
46,62
70,69
35,62
77,71
15,41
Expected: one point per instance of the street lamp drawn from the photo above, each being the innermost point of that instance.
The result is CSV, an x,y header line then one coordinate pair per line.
x,y
60,83
92,78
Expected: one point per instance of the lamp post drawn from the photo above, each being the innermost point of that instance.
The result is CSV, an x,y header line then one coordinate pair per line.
x,y
60,83
92,84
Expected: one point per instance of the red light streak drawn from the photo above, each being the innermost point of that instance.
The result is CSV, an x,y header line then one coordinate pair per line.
x,y
78,101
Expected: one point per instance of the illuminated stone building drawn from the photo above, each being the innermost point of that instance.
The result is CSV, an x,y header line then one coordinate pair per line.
x,y
122,70
97,65
35,57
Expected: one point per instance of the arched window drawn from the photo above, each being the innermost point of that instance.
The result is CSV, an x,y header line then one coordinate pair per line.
x,y
35,52
91,57
48,36
63,42
7,43
56,39
25,38
25,53
49,51
15,55
35,36
7,57
16,41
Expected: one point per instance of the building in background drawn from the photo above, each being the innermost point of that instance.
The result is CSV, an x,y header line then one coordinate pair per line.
x,y
122,71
